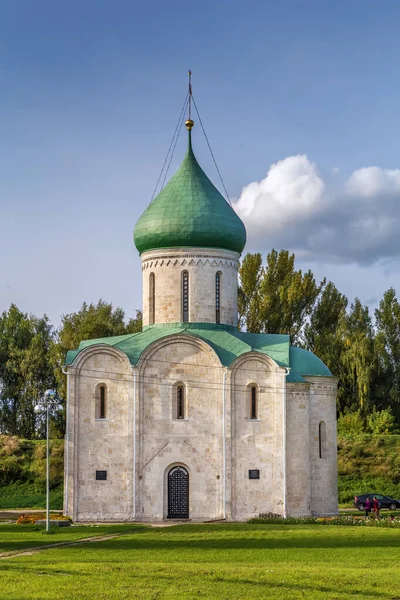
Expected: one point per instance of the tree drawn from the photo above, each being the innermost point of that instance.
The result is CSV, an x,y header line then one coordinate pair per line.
x,y
357,361
387,317
135,324
25,370
321,332
251,271
276,298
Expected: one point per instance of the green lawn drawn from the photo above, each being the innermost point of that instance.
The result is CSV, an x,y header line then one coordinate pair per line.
x,y
212,561
18,537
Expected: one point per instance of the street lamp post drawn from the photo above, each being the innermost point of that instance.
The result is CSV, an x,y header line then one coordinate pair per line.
x,y
49,401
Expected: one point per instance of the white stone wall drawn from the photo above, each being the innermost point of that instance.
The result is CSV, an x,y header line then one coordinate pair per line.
x,y
298,449
323,471
160,442
99,444
202,265
195,442
257,444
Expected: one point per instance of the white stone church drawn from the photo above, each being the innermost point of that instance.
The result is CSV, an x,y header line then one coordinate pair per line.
x,y
191,418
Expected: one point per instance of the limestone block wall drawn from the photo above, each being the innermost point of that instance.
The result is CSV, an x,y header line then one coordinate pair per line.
x,y
257,444
194,442
99,444
298,449
202,265
323,462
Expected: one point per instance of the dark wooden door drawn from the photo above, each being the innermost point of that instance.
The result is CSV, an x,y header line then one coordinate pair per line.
x,y
178,493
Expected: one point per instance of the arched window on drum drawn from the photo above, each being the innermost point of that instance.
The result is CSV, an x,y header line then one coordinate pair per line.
x,y
185,296
152,299
218,277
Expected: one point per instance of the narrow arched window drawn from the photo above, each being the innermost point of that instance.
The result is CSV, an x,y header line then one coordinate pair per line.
x,y
218,297
322,440
152,299
253,402
180,402
185,296
101,402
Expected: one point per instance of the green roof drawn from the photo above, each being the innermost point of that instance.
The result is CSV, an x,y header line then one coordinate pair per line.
x,y
225,340
306,363
189,212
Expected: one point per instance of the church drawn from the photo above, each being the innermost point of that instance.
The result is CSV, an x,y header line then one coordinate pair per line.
x,y
192,419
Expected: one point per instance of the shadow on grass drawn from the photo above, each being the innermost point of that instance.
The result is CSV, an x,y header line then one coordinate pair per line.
x,y
38,540
245,544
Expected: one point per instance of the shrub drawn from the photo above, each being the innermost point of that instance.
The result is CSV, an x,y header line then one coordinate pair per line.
x,y
351,423
381,422
347,520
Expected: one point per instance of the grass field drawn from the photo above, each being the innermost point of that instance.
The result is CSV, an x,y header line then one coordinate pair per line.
x,y
14,538
209,561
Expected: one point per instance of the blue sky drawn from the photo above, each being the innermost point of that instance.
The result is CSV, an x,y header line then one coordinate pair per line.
x,y
91,92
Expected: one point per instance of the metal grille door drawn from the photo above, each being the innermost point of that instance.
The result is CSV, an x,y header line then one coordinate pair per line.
x,y
178,493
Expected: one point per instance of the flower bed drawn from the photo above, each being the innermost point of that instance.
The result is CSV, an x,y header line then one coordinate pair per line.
x,y
32,518
352,520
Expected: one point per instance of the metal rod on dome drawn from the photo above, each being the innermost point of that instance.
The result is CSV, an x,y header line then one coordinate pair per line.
x,y
190,93
189,123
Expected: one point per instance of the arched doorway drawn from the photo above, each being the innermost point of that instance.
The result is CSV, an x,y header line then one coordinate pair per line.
x,y
178,493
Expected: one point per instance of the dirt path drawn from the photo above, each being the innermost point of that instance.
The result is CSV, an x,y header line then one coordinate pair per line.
x,y
30,551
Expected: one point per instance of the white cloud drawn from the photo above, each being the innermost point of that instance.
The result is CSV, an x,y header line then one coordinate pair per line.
x,y
293,207
292,189
371,181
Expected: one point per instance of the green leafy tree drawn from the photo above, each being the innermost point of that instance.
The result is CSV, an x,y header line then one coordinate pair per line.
x,y
135,324
276,298
358,359
387,317
251,272
25,370
321,332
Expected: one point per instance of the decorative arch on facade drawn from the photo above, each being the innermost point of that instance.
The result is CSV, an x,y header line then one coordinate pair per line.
x,y
270,365
322,439
83,356
169,340
152,298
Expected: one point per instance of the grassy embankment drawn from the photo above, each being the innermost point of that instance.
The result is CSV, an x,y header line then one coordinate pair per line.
x,y
213,561
23,473
367,463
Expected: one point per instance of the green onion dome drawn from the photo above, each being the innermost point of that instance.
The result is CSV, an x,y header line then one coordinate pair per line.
x,y
189,212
